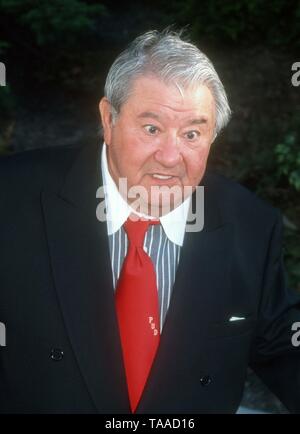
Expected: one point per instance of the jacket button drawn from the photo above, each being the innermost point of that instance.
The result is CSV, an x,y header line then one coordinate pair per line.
x,y
205,380
56,354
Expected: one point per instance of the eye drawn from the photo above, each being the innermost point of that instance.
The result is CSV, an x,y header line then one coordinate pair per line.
x,y
151,129
192,135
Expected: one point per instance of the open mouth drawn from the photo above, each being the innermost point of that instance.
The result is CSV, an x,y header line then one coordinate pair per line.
x,y
163,177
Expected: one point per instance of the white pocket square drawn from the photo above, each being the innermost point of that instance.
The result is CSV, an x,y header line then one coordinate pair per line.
x,y
2,335
236,318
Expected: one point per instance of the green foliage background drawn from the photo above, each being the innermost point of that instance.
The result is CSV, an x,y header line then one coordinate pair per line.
x,y
50,22
275,22
53,40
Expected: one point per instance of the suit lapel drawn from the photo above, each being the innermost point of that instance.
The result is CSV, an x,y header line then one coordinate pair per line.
x,y
79,251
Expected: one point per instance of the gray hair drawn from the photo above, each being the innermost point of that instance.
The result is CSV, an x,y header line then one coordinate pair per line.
x,y
167,56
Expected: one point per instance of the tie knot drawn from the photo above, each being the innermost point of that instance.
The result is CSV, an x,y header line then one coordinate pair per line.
x,y
136,230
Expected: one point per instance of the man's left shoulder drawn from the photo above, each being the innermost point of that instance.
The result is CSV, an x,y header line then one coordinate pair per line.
x,y
235,201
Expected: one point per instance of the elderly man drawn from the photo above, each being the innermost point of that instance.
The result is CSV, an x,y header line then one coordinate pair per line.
x,y
127,311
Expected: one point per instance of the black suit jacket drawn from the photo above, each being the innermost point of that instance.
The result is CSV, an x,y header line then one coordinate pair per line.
x,y
63,351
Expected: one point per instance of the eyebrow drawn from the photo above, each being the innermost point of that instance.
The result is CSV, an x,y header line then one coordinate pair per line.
x,y
198,121
193,121
149,115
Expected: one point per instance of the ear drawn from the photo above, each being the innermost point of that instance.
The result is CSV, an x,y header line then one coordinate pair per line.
x,y
106,119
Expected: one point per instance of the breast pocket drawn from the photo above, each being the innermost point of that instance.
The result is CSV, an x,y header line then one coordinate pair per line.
x,y
227,328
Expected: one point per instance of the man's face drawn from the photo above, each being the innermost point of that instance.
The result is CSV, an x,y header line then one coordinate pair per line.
x,y
161,138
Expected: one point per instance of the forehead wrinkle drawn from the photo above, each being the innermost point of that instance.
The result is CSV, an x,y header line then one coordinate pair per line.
x,y
179,109
157,113
139,92
190,119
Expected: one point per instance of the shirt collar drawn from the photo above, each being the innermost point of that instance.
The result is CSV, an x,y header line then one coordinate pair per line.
x,y
118,210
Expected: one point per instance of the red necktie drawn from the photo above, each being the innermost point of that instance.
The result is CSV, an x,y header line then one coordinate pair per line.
x,y
137,310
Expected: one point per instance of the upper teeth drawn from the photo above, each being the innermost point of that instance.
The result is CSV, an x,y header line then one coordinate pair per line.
x,y
161,176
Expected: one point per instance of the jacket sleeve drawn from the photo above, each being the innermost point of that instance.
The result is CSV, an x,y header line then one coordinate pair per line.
x,y
275,353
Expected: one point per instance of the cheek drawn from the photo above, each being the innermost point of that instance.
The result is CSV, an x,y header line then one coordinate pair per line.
x,y
123,146
133,159
138,152
196,164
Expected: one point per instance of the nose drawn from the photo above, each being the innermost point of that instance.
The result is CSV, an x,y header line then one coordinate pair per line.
x,y
168,153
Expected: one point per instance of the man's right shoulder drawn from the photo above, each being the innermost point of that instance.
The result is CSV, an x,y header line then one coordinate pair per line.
x,y
36,168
